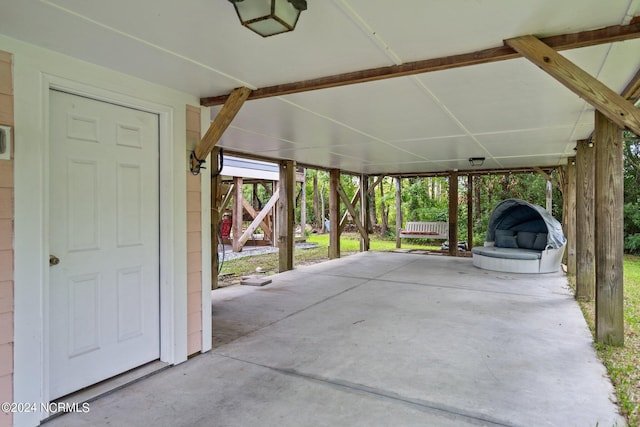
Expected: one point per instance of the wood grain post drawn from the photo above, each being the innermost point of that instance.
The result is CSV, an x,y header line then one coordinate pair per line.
x,y
286,214
453,213
364,212
303,207
238,211
215,219
585,225
334,214
469,212
398,210
609,199
570,195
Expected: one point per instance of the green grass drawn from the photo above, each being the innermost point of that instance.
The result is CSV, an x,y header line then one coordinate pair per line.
x,y
232,270
351,242
623,363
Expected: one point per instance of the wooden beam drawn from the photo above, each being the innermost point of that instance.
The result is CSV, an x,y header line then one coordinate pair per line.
x,y
237,214
231,106
547,176
609,200
258,219
376,182
632,91
215,223
286,214
605,100
352,211
570,195
585,226
364,212
254,214
398,211
559,42
453,214
227,197
469,212
354,201
303,207
334,213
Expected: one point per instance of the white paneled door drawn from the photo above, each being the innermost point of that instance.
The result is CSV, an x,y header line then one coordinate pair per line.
x,y
104,241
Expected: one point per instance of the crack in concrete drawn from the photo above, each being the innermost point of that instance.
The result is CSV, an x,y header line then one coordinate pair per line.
x,y
435,408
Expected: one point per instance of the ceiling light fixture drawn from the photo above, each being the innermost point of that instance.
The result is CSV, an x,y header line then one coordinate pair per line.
x,y
476,161
269,17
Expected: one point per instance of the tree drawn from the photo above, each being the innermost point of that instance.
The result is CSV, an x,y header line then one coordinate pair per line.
x,y
631,194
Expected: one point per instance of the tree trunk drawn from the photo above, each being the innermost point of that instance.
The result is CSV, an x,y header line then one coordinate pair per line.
x,y
316,203
373,218
322,228
476,211
384,212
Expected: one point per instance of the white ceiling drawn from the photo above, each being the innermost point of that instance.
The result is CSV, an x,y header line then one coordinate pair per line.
x,y
510,112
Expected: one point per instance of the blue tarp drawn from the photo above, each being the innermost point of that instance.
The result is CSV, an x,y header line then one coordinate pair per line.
x,y
519,215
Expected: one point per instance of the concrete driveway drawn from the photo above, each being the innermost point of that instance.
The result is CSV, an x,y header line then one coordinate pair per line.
x,y
381,339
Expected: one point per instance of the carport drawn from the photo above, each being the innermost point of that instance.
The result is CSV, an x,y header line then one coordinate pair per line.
x,y
361,87
379,339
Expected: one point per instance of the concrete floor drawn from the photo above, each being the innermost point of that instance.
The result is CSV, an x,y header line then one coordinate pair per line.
x,y
381,339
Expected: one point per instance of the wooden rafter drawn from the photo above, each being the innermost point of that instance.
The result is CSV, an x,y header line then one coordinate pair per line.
x,y
232,105
547,176
559,42
596,93
632,91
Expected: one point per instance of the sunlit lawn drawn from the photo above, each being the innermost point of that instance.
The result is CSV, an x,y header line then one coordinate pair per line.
x,y
349,244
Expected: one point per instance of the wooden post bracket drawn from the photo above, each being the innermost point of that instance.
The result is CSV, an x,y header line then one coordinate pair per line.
x,y
220,124
615,107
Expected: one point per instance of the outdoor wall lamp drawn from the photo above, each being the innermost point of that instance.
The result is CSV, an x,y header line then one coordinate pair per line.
x,y
476,161
269,17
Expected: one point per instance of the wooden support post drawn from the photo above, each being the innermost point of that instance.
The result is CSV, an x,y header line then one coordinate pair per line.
x,y
570,195
227,198
259,219
549,197
585,232
364,212
274,214
237,214
286,214
453,213
398,210
303,208
215,220
334,214
469,212
352,211
609,200
353,202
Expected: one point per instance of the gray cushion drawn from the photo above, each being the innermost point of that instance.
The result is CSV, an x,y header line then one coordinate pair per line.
x,y
541,242
506,239
508,253
526,239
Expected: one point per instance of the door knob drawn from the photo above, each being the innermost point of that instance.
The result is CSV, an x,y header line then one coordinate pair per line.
x,y
53,260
